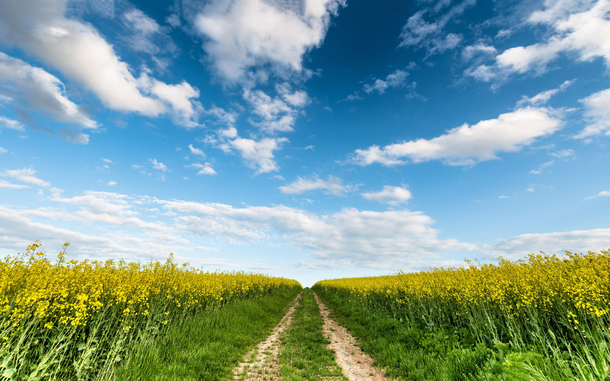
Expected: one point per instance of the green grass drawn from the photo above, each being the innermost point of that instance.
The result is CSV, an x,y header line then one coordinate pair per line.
x,y
412,353
207,346
305,354
424,353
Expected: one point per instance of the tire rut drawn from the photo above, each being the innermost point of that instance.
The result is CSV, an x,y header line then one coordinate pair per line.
x,y
262,363
356,365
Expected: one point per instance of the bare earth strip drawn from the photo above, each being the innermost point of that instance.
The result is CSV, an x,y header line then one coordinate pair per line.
x,y
356,365
262,363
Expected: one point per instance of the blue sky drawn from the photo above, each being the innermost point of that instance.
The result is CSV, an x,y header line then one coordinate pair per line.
x,y
309,139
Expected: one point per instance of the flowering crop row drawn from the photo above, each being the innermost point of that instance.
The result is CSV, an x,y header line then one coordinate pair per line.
x,y
562,299
75,306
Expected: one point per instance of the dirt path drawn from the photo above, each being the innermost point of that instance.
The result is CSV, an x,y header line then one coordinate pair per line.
x,y
356,365
262,363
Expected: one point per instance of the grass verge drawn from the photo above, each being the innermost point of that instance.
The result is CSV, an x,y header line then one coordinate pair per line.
x,y
412,353
305,354
208,345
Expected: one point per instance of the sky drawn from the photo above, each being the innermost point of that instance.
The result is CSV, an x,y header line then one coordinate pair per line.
x,y
309,139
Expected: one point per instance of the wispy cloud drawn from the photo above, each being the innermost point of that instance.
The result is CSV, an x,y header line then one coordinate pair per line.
x,y
468,145
390,195
332,185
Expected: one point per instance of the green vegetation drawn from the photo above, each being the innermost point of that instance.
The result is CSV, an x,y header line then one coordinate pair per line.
x,y
208,345
405,352
542,318
305,354
80,319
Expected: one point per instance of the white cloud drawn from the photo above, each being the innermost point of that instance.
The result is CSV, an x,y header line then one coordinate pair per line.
x,y
114,209
276,114
7,185
17,229
222,116
361,238
502,197
80,52
395,79
353,97
597,111
107,161
174,20
25,175
140,169
204,169
563,154
11,124
578,28
196,151
144,28
543,97
77,50
332,184
389,195
364,238
432,35
542,167
39,91
600,194
467,145
184,110
578,241
244,34
148,36
478,49
112,183
258,154
158,166
3,150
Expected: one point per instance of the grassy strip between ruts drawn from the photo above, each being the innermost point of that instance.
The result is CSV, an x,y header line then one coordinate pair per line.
x,y
305,354
207,346
411,353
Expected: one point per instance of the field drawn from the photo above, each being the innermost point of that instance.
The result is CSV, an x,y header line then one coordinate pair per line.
x,y
542,318
81,319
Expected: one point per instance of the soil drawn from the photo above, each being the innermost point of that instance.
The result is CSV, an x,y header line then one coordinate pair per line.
x,y
356,365
262,363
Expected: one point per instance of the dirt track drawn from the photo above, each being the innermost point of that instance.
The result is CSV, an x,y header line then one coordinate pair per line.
x,y
356,365
262,363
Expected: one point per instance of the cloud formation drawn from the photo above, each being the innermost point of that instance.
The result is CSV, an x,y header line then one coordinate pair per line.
x,y
25,175
332,185
34,90
600,194
389,195
395,79
578,241
419,32
204,169
597,112
543,97
259,154
81,53
11,124
243,50
276,114
576,28
468,145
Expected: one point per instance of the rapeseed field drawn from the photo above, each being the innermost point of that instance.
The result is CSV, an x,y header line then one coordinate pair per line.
x,y
76,319
544,305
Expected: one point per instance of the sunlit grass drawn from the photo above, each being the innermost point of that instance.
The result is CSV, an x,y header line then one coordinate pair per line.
x,y
547,317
